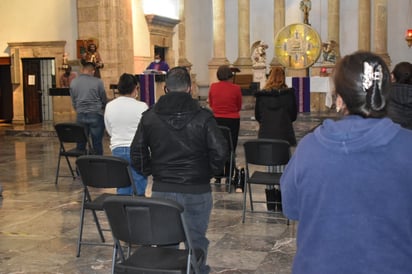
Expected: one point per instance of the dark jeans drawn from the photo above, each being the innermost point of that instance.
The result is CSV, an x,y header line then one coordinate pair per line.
x,y
94,125
197,213
140,181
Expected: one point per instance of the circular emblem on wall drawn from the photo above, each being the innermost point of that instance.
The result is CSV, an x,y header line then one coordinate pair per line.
x,y
297,46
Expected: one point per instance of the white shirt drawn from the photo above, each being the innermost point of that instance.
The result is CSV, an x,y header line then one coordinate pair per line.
x,y
121,118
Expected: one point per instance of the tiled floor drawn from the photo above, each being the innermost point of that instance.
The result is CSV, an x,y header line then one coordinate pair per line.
x,y
39,221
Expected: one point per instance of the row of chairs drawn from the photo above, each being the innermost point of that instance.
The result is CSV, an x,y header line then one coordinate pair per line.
x,y
143,229
146,216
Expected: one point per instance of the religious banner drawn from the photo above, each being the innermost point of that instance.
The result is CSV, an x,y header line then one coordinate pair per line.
x,y
302,93
147,88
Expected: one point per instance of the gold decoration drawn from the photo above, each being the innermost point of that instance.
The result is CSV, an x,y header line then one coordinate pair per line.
x,y
297,46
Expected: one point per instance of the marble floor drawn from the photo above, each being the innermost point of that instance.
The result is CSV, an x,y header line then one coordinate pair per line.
x,y
39,220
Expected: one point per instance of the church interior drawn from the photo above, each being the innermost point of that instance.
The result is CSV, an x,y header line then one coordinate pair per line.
x,y
39,220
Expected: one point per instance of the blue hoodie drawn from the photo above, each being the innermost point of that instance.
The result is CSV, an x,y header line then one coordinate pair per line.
x,y
349,184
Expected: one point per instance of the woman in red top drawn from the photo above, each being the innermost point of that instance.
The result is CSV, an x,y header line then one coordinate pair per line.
x,y
225,100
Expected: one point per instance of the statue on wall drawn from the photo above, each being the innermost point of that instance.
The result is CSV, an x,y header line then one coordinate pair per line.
x,y
93,56
330,52
305,6
259,53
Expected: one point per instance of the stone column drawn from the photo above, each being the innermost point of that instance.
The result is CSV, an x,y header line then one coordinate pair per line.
x,y
278,24
364,31
333,20
380,24
244,61
183,62
219,36
110,22
182,37
333,39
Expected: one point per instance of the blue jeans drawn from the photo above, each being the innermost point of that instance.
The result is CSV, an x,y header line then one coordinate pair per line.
x,y
94,125
140,181
197,214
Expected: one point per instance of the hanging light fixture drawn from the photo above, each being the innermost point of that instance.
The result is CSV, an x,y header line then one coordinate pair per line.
x,y
408,37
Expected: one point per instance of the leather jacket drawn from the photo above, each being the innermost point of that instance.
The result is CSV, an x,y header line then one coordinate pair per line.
x,y
179,144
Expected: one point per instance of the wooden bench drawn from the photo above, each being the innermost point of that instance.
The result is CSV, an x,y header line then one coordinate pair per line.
x,y
245,81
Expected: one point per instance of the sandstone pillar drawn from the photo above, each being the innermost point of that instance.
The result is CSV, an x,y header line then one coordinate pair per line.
x,y
244,61
182,37
219,42
364,31
110,23
380,24
278,24
333,20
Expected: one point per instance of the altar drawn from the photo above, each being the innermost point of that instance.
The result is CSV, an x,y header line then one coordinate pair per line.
x,y
319,90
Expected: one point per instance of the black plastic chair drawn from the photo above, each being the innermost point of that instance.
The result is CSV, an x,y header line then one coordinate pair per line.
x,y
100,172
151,228
266,153
69,135
228,174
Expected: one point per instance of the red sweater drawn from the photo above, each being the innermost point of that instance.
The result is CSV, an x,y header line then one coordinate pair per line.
x,y
225,99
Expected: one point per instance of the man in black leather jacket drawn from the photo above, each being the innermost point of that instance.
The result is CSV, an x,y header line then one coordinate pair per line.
x,y
181,146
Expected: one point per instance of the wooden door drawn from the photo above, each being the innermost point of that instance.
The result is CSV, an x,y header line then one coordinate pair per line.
x,y
32,91
6,94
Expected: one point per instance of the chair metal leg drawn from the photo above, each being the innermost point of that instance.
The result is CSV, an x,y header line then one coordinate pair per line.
x,y
244,205
250,196
79,241
70,167
99,228
57,171
114,256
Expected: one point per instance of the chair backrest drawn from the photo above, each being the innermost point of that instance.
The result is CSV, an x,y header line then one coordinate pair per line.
x,y
267,152
228,136
104,171
145,221
71,133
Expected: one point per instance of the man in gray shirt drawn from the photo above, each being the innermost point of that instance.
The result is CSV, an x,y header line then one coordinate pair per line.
x,y
89,99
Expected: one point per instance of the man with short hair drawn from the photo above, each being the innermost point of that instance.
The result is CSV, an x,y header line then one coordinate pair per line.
x,y
89,100
180,144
